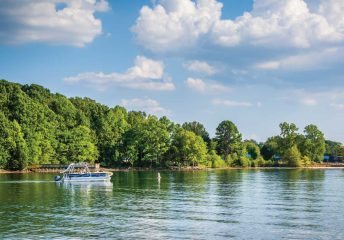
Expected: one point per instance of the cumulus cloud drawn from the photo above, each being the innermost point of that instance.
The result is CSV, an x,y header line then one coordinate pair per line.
x,y
65,22
145,104
230,103
200,85
176,24
146,74
200,67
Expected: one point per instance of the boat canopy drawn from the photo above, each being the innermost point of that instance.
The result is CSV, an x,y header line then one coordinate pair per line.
x,y
74,166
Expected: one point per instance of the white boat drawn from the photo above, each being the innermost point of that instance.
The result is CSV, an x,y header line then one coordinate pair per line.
x,y
81,172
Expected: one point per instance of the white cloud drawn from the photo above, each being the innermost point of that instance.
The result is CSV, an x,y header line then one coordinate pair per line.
x,y
66,22
173,24
309,101
304,97
176,24
146,74
269,65
206,87
200,67
338,106
230,103
304,61
275,23
145,104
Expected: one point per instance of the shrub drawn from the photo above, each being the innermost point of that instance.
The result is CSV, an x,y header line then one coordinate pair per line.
x,y
306,161
293,157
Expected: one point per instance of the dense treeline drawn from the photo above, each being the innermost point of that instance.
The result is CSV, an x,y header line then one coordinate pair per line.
x,y
39,127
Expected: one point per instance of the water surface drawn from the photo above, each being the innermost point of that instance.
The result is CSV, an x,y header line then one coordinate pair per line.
x,y
221,204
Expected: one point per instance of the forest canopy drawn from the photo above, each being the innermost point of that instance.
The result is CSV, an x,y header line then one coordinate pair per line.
x,y
40,127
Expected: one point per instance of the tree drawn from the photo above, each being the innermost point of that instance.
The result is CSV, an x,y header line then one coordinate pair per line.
x,y
77,145
188,148
110,135
227,138
271,148
332,148
215,161
293,157
313,145
6,141
132,147
288,135
252,149
198,129
18,149
37,126
156,139
288,144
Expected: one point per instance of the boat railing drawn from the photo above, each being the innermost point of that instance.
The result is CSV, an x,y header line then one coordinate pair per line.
x,y
73,167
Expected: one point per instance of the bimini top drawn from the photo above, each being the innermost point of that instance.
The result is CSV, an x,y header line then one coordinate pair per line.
x,y
74,167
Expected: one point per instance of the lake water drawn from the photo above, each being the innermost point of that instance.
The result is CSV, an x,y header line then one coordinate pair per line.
x,y
221,204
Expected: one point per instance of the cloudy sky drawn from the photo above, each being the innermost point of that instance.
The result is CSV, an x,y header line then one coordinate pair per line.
x,y
257,63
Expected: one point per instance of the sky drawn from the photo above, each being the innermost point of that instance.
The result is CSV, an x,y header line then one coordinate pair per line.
x,y
256,63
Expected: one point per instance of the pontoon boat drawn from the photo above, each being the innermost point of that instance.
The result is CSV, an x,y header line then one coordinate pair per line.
x,y
81,172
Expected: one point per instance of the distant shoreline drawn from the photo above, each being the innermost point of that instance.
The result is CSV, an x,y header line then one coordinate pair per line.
x,y
184,169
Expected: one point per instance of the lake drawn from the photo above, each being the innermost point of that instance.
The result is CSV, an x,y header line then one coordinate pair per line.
x,y
216,204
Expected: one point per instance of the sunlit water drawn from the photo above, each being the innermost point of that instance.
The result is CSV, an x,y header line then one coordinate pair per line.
x,y
223,204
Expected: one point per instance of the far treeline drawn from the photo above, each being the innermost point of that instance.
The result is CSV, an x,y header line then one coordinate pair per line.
x,y
40,127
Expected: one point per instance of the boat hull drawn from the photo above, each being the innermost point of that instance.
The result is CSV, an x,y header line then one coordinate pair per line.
x,y
75,177
85,179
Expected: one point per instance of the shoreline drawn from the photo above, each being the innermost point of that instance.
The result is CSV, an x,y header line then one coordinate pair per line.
x,y
183,169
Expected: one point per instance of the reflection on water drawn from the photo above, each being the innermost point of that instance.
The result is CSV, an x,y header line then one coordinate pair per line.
x,y
103,185
221,204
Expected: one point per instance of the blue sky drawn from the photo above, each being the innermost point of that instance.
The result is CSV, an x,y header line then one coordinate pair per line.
x,y
255,63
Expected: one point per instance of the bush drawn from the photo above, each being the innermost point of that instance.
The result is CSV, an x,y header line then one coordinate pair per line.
x,y
260,161
254,163
244,162
306,161
229,161
293,157
215,160
269,163
219,163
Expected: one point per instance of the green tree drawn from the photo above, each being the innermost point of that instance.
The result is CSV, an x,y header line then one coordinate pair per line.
x,y
332,148
132,147
110,135
18,149
156,138
288,144
77,145
271,148
293,157
313,145
198,129
188,149
252,149
215,161
288,135
227,138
